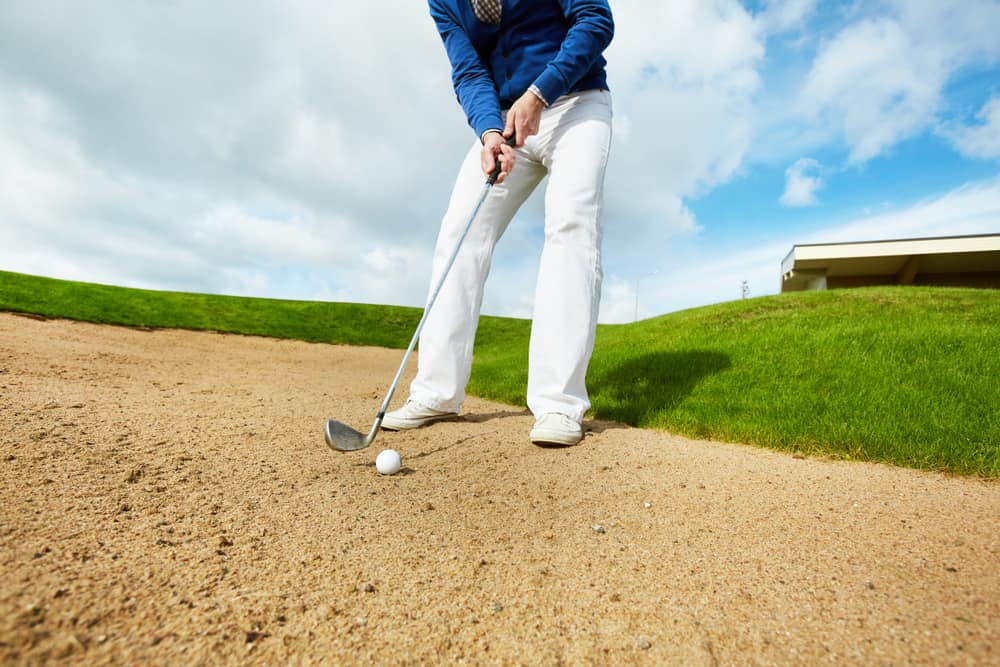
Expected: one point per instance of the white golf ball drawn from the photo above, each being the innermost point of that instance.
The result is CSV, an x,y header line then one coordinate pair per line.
x,y
388,462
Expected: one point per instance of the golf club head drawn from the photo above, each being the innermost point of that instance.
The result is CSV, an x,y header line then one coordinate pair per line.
x,y
343,438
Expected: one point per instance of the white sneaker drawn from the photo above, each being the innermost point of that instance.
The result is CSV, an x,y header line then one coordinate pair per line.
x,y
413,415
554,428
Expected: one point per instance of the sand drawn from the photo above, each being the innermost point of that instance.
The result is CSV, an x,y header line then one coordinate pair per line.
x,y
166,497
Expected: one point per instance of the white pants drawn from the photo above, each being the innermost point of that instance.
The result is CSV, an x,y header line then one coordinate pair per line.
x,y
572,148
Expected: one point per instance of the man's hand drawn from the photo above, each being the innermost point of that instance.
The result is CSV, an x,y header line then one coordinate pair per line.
x,y
495,147
524,117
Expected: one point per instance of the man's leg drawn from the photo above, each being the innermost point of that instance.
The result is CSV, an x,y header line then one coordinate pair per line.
x,y
446,342
576,141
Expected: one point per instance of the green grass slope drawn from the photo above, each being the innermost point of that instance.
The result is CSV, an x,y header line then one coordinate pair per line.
x,y
909,376
354,324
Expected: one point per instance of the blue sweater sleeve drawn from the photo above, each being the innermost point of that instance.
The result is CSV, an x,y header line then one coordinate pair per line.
x,y
471,78
553,45
590,32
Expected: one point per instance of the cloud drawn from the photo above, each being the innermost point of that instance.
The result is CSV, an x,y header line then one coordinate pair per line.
x,y
284,151
683,122
802,182
880,80
264,155
682,111
981,140
973,208
780,16
618,302
875,85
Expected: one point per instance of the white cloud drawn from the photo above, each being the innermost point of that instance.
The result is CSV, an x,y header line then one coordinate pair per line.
x,y
235,150
981,140
618,302
880,80
802,182
219,155
971,209
66,216
779,16
956,31
682,111
874,84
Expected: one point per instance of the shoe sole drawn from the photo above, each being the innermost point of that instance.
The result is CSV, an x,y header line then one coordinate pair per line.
x,y
399,426
550,438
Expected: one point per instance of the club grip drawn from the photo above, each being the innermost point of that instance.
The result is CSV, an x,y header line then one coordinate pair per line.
x,y
512,142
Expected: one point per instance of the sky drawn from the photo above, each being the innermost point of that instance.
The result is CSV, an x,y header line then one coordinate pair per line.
x,y
306,149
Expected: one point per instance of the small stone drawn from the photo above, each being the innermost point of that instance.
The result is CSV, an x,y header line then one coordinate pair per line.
x,y
598,528
869,585
225,542
361,620
615,597
497,607
427,507
643,643
255,635
647,504
366,587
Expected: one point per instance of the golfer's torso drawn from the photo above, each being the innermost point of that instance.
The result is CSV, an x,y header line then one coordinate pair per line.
x,y
529,37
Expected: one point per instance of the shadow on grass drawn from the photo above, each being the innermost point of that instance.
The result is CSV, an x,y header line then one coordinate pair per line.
x,y
652,384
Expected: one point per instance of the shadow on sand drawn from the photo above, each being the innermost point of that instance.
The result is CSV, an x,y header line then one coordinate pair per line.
x,y
480,417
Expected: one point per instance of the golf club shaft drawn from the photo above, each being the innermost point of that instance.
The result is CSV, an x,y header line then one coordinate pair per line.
x,y
430,302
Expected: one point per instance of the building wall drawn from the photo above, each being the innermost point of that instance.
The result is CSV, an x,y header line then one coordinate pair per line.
x,y
839,282
987,279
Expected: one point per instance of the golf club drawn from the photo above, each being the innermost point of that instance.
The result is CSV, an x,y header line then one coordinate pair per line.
x,y
343,438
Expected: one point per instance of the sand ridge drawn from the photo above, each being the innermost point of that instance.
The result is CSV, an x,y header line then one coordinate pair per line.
x,y
166,497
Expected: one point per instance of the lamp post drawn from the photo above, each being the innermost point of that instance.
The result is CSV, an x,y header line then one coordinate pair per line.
x,y
635,318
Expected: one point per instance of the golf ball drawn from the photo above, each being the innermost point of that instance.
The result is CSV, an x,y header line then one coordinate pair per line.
x,y
388,462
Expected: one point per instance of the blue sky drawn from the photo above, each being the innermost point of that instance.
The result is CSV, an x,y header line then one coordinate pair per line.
x,y
289,150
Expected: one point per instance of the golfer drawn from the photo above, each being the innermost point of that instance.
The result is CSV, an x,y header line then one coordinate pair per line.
x,y
531,70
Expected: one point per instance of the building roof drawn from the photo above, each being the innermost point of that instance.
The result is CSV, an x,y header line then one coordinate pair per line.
x,y
946,254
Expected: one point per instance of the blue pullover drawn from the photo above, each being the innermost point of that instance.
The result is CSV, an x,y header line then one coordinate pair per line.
x,y
553,45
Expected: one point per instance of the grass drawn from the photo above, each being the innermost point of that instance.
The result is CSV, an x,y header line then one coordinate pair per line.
x,y
909,376
902,375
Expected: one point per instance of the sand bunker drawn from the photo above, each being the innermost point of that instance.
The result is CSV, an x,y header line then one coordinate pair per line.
x,y
166,497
